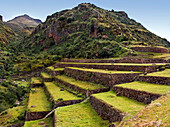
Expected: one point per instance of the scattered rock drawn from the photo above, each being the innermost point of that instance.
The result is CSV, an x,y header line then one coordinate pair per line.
x,y
41,123
118,94
62,89
157,104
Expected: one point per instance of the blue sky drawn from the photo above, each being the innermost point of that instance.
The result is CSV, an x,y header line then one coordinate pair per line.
x,y
153,14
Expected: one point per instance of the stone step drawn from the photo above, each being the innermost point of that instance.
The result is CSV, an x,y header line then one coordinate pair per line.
x,y
78,115
113,66
115,108
104,77
141,91
59,96
87,88
161,77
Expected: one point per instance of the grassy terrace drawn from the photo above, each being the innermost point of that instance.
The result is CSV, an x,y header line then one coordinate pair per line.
x,y
55,69
79,115
148,87
101,71
38,101
165,73
81,84
45,75
57,94
125,64
35,80
48,122
121,103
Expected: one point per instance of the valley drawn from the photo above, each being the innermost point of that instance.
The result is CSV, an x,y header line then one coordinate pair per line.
x,y
86,67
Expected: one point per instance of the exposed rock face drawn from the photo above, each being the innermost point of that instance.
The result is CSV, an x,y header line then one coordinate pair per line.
x,y
89,21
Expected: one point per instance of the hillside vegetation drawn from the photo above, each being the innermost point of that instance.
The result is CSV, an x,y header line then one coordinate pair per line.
x,y
5,34
88,31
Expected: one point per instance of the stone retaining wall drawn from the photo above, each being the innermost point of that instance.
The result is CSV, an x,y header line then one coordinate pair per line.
x,y
54,120
35,115
65,103
141,96
155,80
137,60
150,49
59,103
81,90
36,85
113,67
55,73
101,78
16,125
106,111
87,60
124,60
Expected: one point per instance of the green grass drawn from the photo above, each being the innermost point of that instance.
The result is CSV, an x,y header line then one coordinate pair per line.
x,y
12,116
124,64
102,71
148,87
79,115
45,75
59,69
121,103
57,94
165,73
35,80
37,123
22,83
81,84
55,69
152,114
39,100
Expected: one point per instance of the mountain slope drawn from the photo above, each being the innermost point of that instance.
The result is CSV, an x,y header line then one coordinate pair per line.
x,y
20,23
5,33
90,32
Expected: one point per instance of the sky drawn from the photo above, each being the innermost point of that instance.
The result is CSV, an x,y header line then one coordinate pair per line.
x,y
153,14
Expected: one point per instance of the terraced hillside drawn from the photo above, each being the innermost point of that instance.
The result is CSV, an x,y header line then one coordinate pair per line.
x,y
80,96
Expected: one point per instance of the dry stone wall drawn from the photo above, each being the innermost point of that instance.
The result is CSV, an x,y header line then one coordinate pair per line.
x,y
137,60
16,125
155,79
113,67
33,85
124,60
106,111
35,115
80,90
101,78
141,96
150,49
88,60
56,103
